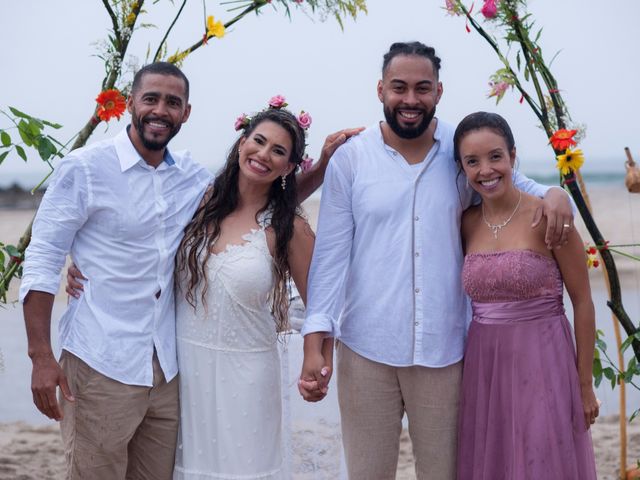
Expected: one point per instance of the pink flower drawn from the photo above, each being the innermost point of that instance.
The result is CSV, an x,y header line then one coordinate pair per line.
x,y
489,9
298,1
452,8
241,122
304,120
498,89
278,102
306,163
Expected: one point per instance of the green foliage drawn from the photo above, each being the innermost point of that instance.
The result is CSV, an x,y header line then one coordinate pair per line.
x,y
609,369
31,131
338,9
10,265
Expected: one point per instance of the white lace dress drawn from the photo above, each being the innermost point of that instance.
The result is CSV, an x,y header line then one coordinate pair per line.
x,y
230,373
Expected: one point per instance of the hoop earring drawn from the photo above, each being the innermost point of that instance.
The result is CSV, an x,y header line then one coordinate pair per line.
x,y
284,182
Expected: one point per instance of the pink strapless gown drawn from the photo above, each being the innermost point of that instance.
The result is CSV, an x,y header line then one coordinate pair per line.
x,y
521,413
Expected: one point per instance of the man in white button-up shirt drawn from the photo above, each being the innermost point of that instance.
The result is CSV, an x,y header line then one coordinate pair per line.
x,y
385,277
119,207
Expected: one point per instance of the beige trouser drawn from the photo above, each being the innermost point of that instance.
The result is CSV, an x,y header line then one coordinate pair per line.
x,y
115,431
373,398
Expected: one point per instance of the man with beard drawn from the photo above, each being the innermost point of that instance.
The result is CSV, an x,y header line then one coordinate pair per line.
x,y
119,207
385,278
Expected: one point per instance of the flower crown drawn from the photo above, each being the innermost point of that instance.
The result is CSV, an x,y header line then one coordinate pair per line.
x,y
304,121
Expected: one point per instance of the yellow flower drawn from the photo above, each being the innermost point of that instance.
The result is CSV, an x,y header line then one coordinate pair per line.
x,y
178,58
570,161
214,29
131,19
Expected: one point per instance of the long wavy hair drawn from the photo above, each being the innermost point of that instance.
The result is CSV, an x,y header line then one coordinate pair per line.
x,y
204,229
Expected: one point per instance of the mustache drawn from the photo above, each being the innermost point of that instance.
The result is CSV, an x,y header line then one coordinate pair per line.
x,y
410,109
154,118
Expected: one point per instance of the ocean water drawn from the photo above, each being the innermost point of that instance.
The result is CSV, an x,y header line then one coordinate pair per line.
x,y
600,171
15,370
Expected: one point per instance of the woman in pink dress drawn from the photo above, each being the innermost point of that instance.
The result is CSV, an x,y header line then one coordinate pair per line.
x,y
527,399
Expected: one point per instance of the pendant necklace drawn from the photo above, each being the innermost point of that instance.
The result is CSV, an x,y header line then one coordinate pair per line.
x,y
496,227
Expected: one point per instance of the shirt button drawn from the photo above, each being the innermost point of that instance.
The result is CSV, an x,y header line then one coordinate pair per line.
x,y
417,254
416,218
417,290
417,323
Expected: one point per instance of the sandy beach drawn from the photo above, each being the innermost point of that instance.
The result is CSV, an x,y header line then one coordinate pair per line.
x,y
30,446
29,452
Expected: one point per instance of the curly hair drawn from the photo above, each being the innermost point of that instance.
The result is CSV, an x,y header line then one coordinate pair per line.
x,y
411,48
204,229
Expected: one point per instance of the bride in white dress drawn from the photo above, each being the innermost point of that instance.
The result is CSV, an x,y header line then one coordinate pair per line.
x,y
232,268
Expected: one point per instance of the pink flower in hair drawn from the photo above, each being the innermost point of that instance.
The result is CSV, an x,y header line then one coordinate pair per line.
x,y
241,122
306,163
304,120
278,102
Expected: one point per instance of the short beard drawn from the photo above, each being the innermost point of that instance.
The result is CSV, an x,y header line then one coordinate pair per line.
x,y
404,132
152,145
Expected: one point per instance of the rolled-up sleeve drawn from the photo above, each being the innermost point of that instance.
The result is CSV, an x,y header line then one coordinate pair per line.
x,y
61,214
332,251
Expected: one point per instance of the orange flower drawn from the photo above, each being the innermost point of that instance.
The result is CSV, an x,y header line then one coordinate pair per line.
x,y
563,139
111,103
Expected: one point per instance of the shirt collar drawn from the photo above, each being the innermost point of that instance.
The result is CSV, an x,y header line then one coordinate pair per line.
x,y
129,156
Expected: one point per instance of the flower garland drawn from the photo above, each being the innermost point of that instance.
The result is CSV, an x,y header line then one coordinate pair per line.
x,y
278,102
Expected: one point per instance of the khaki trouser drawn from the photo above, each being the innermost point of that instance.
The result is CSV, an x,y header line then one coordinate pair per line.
x,y
373,398
114,431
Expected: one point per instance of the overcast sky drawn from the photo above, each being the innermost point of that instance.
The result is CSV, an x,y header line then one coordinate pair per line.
x,y
50,70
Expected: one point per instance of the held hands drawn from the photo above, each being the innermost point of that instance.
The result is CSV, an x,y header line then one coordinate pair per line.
x,y
74,286
45,377
556,207
590,404
317,369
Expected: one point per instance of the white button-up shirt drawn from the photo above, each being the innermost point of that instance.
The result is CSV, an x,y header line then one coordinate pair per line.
x,y
122,221
385,275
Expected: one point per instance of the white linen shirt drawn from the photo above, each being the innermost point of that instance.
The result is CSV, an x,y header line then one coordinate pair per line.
x,y
385,276
122,221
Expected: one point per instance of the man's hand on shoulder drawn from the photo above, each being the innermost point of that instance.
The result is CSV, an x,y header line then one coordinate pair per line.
x,y
557,209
